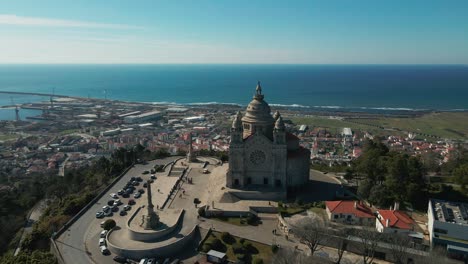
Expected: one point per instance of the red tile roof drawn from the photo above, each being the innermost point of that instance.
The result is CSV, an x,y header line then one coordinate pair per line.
x,y
398,219
347,207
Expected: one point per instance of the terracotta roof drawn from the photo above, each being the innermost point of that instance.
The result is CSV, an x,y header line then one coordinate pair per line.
x,y
347,207
398,219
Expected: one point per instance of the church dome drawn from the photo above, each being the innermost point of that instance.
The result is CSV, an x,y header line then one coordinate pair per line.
x,y
258,111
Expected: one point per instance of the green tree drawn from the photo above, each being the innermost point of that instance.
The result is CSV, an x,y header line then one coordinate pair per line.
x,y
109,224
460,175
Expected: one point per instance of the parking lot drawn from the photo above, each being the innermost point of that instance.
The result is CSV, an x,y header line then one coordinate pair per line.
x,y
80,243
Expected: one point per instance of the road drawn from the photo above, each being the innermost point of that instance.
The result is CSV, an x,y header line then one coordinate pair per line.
x,y
34,215
72,243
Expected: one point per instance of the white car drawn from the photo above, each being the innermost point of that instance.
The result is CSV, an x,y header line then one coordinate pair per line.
x,y
104,250
103,233
99,214
105,208
102,242
113,195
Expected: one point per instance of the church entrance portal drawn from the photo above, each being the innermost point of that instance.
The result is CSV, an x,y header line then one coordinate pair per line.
x,y
278,183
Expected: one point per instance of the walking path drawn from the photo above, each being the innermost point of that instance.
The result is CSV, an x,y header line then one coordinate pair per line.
x,y
34,214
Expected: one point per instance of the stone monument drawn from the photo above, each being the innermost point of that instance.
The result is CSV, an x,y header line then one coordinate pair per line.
x,y
190,155
151,218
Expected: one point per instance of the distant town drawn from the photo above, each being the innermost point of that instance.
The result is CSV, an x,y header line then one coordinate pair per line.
x,y
221,184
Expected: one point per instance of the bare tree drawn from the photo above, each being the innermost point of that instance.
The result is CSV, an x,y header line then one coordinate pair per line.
x,y
312,232
399,246
290,256
340,243
369,240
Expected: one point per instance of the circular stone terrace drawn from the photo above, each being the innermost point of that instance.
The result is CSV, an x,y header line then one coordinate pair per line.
x,y
172,197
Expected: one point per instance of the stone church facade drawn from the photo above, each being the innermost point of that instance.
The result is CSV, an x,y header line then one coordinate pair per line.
x,y
262,152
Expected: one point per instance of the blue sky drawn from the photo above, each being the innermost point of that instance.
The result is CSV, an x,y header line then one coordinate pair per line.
x,y
316,32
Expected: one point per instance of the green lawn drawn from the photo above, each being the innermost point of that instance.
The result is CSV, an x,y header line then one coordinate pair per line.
x,y
5,137
257,250
446,125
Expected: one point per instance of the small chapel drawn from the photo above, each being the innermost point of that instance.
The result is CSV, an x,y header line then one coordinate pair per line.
x,y
262,153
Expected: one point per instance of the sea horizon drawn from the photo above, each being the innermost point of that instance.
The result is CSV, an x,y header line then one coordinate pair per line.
x,y
347,87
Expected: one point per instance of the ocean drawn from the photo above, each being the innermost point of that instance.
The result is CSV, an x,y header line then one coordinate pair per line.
x,y
347,87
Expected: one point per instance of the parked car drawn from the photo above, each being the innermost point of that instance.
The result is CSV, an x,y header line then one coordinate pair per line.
x,y
102,241
125,195
120,259
137,195
167,261
131,202
146,172
151,261
100,214
143,261
117,202
104,250
103,233
139,179
133,178
113,195
145,184
122,213
106,207
115,208
175,261
141,191
153,177
110,202
135,183
109,213
127,208
120,192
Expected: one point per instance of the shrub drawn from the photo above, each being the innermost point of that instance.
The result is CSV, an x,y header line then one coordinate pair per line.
x,y
206,248
201,211
257,261
274,248
240,256
109,224
252,219
237,248
242,240
216,244
227,238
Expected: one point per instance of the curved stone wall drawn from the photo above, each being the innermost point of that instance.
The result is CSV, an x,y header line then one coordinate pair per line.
x,y
151,235
165,250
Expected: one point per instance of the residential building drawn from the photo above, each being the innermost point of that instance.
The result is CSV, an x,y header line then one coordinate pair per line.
x,y
349,212
394,221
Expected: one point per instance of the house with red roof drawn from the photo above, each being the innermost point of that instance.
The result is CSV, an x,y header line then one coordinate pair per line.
x,y
394,221
349,212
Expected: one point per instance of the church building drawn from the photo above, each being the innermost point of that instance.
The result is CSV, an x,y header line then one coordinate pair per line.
x,y
262,152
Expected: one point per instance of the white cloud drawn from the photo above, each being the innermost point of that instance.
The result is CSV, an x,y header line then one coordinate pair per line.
x,y
7,19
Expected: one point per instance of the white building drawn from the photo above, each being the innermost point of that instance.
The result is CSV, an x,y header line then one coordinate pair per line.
x,y
448,225
349,212
394,221
148,116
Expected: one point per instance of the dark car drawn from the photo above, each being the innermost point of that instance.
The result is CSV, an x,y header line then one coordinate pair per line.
x,y
122,213
135,183
110,202
139,179
153,177
131,202
146,172
132,178
120,259
145,184
115,208
141,191
125,195
120,192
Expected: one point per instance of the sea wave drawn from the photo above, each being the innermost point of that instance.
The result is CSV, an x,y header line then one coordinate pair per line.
x,y
392,108
213,103
162,103
290,105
